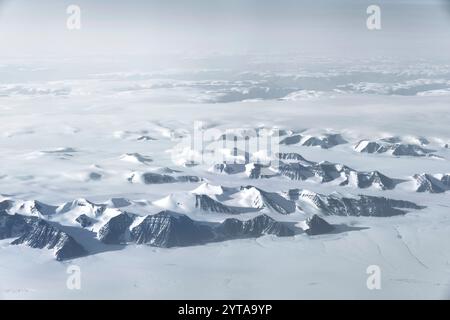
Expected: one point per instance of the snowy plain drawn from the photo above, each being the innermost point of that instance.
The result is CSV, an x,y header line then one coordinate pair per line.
x,y
83,136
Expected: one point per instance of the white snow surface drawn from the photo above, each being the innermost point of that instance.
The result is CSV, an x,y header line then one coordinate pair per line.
x,y
82,138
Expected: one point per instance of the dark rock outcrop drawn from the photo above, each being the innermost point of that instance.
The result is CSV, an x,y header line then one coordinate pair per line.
x,y
256,227
116,230
327,172
42,234
270,200
206,203
433,184
317,225
85,221
362,205
169,229
12,226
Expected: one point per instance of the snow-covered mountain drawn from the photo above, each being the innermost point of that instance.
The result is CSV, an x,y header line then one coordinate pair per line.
x,y
158,178
191,202
169,229
29,208
99,169
317,225
293,156
343,175
38,233
260,225
12,226
325,141
362,205
295,167
253,197
116,230
251,170
438,183
393,147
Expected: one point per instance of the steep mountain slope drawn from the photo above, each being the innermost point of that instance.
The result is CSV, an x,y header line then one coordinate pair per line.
x,y
317,225
325,141
190,202
327,172
159,178
116,230
42,234
12,226
363,205
253,197
394,147
432,183
258,226
169,229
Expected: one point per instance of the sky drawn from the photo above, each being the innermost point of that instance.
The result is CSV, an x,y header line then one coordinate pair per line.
x,y
417,28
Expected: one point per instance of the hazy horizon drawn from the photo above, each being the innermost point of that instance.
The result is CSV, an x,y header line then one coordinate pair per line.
x,y
410,29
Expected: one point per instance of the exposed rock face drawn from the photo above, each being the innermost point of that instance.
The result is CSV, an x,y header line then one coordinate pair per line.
x,y
12,226
445,179
155,178
327,172
252,170
369,206
259,171
187,202
325,142
116,230
370,147
269,200
432,183
295,167
158,178
256,227
291,140
188,179
409,150
368,179
6,205
296,171
85,221
165,229
293,156
360,206
118,203
42,234
169,229
317,225
392,145
206,203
